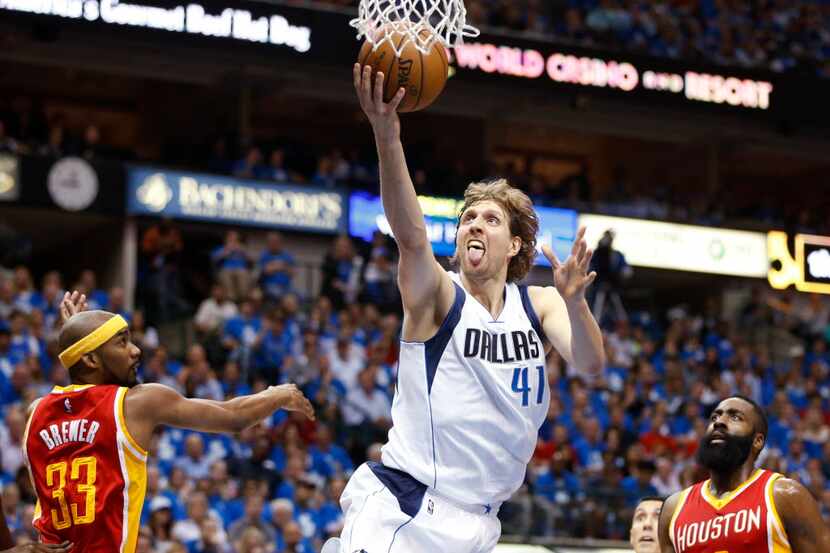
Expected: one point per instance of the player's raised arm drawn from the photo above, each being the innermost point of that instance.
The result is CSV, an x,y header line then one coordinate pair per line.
x,y
420,277
806,531
565,316
149,405
666,513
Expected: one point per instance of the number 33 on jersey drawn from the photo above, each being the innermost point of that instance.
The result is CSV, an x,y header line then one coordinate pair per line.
x,y
88,472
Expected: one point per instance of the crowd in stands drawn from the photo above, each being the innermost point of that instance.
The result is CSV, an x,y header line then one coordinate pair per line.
x,y
26,133
606,442
776,35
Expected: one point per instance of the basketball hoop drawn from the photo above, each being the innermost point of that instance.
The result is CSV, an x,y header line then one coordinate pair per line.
x,y
421,22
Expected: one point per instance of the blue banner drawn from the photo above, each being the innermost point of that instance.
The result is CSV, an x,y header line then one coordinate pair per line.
x,y
219,199
557,227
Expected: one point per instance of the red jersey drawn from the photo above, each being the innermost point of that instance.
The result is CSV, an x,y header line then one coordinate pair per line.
x,y
89,473
744,520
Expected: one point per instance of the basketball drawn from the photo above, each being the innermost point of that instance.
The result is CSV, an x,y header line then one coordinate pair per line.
x,y
422,75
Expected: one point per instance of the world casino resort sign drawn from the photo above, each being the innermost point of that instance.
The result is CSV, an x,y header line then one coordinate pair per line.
x,y
211,198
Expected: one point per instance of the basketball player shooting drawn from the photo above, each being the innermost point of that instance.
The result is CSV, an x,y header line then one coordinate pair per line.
x,y
740,509
472,390
86,444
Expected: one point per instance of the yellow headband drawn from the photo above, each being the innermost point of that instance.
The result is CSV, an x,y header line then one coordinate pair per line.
x,y
92,341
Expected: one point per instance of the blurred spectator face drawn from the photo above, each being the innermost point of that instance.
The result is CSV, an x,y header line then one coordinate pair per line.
x,y
16,423
194,447
304,492
5,339
277,158
253,507
644,527
197,507
232,238
796,448
21,377
11,497
290,305
196,355
560,434
254,156
282,512
292,534
116,299
324,437
336,487
22,279
343,248
177,478
17,322
231,371
246,309
92,135
274,242
217,292
219,471
6,290
87,280
367,381
252,541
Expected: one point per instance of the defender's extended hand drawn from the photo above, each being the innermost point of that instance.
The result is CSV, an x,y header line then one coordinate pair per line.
x,y
571,278
292,399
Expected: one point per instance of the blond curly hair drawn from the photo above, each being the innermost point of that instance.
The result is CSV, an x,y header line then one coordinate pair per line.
x,y
523,220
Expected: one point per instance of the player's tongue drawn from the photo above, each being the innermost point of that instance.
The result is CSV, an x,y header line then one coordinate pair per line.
x,y
475,252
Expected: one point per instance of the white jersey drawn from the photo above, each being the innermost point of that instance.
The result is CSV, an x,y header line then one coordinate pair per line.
x,y
469,401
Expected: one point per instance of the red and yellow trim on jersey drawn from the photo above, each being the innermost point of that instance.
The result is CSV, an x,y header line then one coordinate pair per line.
x,y
776,533
23,447
133,459
684,496
718,503
70,388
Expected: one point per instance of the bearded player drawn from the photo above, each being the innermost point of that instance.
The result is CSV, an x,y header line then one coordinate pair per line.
x,y
741,509
86,444
471,390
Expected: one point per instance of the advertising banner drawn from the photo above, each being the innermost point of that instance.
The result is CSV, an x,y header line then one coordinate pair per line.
x,y
682,247
219,199
809,270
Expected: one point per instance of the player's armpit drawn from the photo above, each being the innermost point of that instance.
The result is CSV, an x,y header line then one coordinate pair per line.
x,y
801,517
666,514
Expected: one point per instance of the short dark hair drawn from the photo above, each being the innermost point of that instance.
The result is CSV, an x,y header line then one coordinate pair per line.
x,y
760,414
659,498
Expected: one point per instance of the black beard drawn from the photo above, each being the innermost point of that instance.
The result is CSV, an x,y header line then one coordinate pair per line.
x,y
726,457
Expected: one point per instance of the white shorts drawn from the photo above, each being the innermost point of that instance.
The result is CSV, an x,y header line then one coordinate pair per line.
x,y
388,511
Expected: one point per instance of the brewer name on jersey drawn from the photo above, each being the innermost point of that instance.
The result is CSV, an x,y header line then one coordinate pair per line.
x,y
502,347
77,430
699,533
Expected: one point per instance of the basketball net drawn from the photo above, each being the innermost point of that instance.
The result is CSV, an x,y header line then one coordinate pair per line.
x,y
421,22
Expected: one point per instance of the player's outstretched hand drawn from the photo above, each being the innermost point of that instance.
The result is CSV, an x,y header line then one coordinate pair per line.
x,y
292,399
571,278
382,115
40,548
71,304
